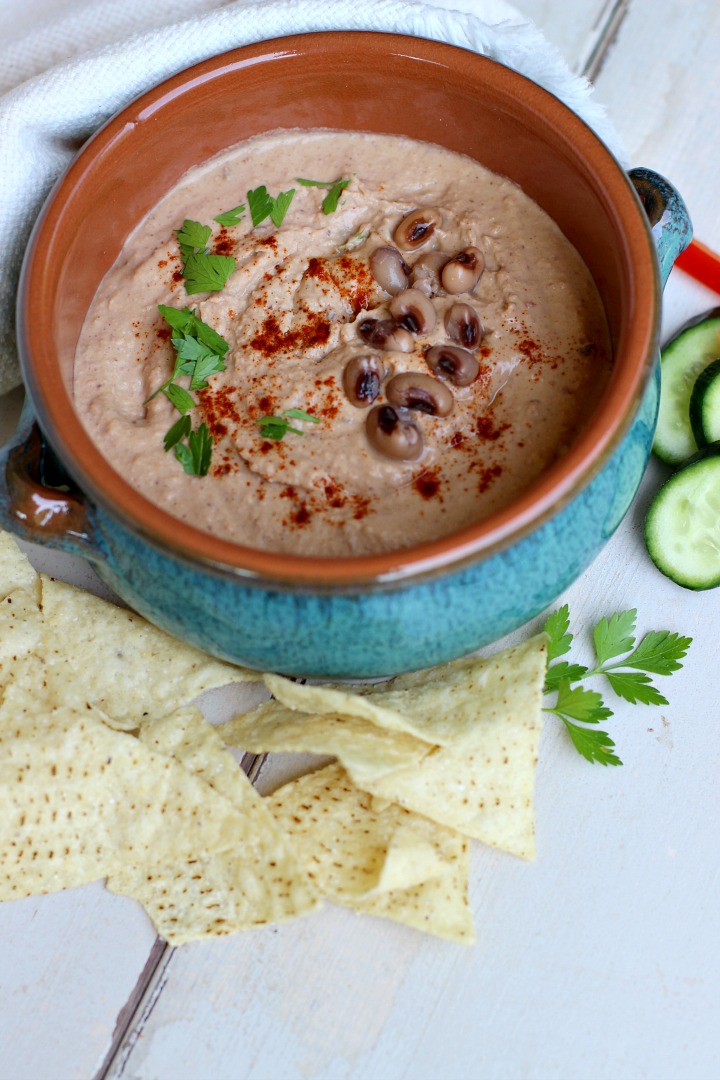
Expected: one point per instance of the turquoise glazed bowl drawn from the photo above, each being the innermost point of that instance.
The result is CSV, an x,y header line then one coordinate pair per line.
x,y
372,615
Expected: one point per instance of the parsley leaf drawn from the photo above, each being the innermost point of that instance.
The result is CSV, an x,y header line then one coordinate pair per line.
x,y
587,706
260,204
277,427
206,273
195,456
228,218
192,237
556,627
204,368
180,430
614,636
200,352
659,652
298,414
563,671
281,205
595,746
191,349
315,183
635,688
263,205
179,397
331,200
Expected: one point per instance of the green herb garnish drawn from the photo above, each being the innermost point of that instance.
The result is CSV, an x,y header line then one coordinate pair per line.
x,y
200,352
263,205
192,237
196,454
179,397
202,272
206,273
659,653
277,427
180,430
228,218
315,183
330,202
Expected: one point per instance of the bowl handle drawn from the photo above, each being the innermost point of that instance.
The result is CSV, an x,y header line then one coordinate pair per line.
x,y
670,223
38,501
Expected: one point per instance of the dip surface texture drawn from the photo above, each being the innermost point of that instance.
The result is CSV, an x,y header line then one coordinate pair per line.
x,y
290,313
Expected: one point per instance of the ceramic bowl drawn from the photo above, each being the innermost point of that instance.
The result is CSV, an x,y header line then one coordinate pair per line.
x,y
371,615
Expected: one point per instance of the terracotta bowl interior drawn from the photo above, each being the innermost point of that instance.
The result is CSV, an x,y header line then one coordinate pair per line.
x,y
379,83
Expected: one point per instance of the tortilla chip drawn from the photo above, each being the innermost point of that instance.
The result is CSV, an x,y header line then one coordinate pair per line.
x,y
483,784
20,628
334,701
80,799
118,662
392,863
366,751
257,881
15,569
438,705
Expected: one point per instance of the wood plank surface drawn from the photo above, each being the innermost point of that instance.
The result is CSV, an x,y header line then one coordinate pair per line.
x,y
597,959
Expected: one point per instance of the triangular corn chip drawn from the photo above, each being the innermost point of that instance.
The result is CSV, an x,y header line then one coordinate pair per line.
x,y
80,799
15,569
366,750
109,657
438,705
257,881
389,863
483,784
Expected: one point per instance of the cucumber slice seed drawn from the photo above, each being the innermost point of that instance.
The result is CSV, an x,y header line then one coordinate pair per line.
x,y
682,360
682,527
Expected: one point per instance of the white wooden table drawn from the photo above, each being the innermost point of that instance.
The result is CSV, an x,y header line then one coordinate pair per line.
x,y
600,960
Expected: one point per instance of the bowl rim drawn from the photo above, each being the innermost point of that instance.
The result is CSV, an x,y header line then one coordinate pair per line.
x,y
553,490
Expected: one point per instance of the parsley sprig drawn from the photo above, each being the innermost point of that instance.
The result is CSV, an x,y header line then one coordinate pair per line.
x,y
263,205
277,427
202,272
331,200
199,353
228,218
659,653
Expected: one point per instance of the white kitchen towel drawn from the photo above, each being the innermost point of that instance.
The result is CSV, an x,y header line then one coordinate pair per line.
x,y
77,69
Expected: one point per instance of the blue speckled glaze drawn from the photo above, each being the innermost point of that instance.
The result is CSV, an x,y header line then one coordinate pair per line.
x,y
393,628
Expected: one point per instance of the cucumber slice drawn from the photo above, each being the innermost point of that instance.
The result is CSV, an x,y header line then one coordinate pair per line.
x,y
682,527
705,405
691,350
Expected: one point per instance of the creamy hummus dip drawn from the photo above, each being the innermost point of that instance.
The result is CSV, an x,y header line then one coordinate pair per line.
x,y
306,320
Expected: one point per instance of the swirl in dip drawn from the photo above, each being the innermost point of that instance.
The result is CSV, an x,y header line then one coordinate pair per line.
x,y
443,374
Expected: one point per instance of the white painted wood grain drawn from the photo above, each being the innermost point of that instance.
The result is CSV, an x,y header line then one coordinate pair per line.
x,y
68,963
574,27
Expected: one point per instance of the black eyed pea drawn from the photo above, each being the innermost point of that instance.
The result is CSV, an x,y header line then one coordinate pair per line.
x,y
416,390
393,434
449,362
413,310
462,273
362,378
389,269
417,228
386,334
463,326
